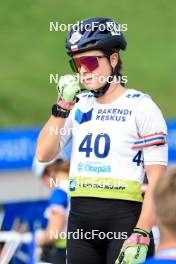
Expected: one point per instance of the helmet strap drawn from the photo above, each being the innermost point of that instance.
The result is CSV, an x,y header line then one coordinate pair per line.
x,y
102,90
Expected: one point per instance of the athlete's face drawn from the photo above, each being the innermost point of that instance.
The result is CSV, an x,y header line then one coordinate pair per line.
x,y
94,79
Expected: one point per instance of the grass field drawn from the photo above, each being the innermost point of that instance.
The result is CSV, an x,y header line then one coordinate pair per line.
x,y
29,52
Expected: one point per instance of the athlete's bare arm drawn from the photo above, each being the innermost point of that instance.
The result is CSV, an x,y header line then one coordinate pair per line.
x,y
147,217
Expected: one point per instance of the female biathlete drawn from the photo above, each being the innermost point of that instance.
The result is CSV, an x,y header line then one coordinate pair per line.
x,y
118,134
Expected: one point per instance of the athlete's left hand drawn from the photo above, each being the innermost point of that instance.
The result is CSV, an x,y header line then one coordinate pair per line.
x,y
134,249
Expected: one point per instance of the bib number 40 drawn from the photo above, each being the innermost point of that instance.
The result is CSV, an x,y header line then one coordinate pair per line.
x,y
103,139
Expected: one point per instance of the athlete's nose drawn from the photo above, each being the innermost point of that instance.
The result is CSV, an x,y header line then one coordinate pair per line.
x,y
83,69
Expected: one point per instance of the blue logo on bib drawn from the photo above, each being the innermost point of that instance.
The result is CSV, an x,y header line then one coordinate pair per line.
x,y
81,117
72,185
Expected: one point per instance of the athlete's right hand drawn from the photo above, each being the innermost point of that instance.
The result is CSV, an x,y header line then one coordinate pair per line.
x,y
68,88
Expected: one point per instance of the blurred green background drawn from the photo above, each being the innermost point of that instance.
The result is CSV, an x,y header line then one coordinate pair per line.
x,y
29,52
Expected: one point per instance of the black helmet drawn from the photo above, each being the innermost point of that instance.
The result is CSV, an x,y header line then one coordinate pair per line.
x,y
102,33
97,33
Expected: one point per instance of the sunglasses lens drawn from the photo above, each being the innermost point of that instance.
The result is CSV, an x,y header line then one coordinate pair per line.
x,y
90,62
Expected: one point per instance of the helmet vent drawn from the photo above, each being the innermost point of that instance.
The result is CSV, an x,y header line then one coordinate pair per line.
x,y
92,32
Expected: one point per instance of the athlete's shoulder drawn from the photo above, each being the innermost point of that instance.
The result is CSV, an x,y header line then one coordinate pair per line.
x,y
85,102
85,96
144,101
133,94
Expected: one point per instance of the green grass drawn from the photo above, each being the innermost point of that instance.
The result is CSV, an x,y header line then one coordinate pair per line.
x,y
29,52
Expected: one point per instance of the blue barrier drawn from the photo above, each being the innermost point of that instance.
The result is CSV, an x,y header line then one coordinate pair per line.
x,y
17,147
171,124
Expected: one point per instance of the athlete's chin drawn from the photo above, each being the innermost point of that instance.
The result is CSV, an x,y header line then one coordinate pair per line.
x,y
92,86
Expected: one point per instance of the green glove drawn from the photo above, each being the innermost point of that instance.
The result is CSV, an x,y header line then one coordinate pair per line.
x,y
134,249
68,87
